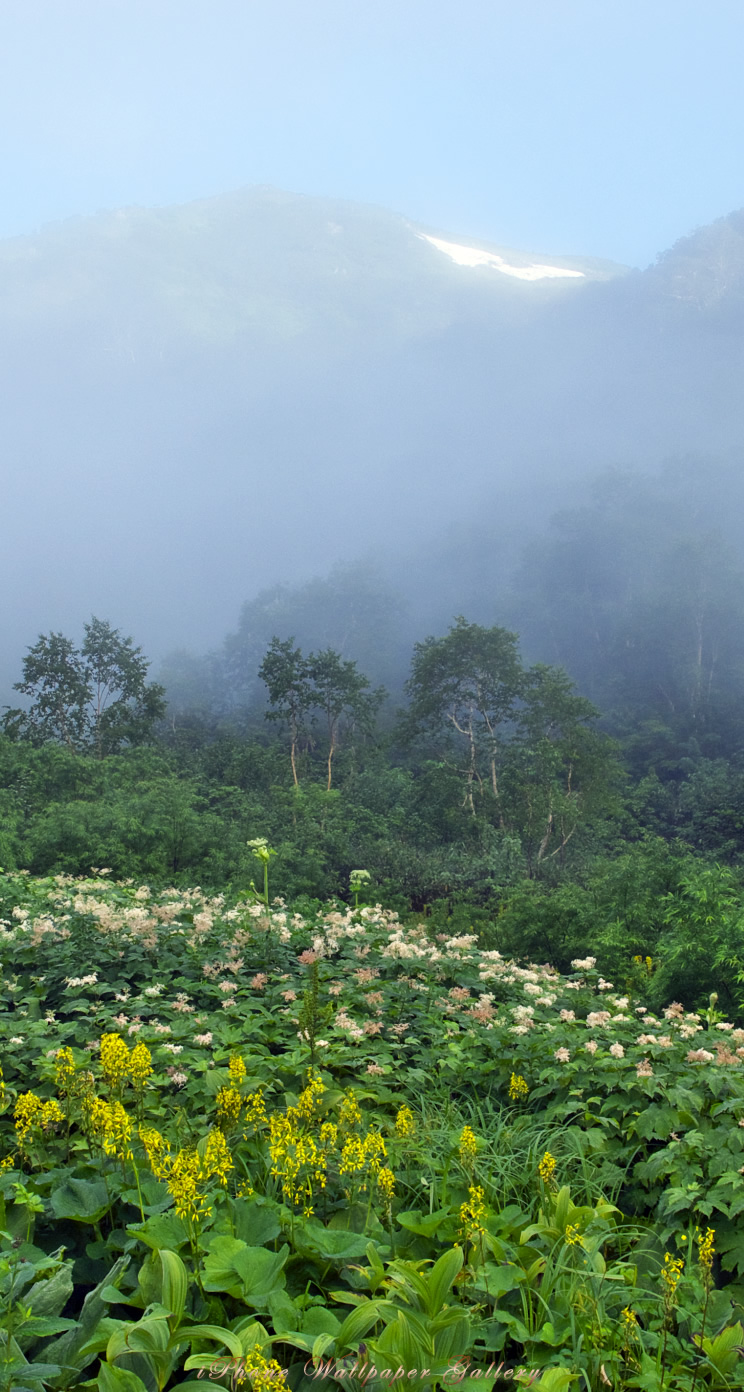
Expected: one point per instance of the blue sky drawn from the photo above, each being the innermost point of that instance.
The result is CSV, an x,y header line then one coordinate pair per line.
x,y
566,126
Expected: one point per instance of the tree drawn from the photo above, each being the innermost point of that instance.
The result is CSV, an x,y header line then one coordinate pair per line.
x,y
95,699
559,769
286,674
340,691
463,688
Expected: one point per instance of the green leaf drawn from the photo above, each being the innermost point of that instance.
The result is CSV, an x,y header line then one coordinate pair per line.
x,y
332,1244
320,1321
82,1200
112,1379
254,1222
50,1297
250,1273
555,1379
67,1350
175,1283
442,1276
211,1331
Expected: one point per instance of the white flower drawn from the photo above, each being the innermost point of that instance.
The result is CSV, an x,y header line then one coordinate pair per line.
x,y
617,1050
153,990
562,1055
583,963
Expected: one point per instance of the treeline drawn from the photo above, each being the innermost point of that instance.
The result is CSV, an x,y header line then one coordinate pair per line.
x,y
558,787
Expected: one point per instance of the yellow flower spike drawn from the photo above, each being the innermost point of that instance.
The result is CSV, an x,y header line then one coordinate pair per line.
x,y
158,1151
117,1131
473,1214
467,1147
229,1108
573,1237
374,1149
51,1114
706,1249
405,1126
386,1185
671,1275
349,1113
518,1089
255,1112
352,1156
140,1066
546,1168
114,1060
27,1115
264,1374
217,1159
64,1070
237,1071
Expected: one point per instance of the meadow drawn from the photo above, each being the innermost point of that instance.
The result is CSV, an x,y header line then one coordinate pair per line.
x,y
251,1145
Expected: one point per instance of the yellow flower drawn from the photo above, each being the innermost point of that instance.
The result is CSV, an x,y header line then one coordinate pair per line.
x,y
374,1150
630,1323
329,1135
518,1088
186,1183
64,1070
217,1158
706,1249
140,1066
386,1185
573,1236
546,1168
473,1214
671,1275
310,1098
237,1071
349,1113
157,1150
353,1158
51,1114
264,1374
27,1114
229,1108
405,1126
114,1059
255,1112
468,1147
117,1131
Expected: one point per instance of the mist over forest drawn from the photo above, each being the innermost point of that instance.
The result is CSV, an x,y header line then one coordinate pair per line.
x,y
300,474
208,401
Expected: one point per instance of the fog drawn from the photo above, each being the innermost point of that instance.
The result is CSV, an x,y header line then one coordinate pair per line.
x,y
207,400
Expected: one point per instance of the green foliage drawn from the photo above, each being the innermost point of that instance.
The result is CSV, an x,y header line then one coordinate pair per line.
x,y
95,698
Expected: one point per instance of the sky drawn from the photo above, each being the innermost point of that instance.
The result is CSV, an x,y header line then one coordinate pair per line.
x,y
605,128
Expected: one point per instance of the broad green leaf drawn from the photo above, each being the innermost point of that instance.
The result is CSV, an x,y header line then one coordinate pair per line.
x,y
50,1297
112,1379
442,1277
82,1200
175,1284
67,1350
215,1332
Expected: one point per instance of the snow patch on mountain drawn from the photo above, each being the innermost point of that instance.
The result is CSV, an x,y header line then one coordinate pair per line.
x,y
471,256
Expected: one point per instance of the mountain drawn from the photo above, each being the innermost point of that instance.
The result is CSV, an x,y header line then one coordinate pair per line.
x,y
204,400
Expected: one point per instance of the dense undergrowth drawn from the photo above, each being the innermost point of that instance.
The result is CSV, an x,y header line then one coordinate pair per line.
x,y
251,1144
